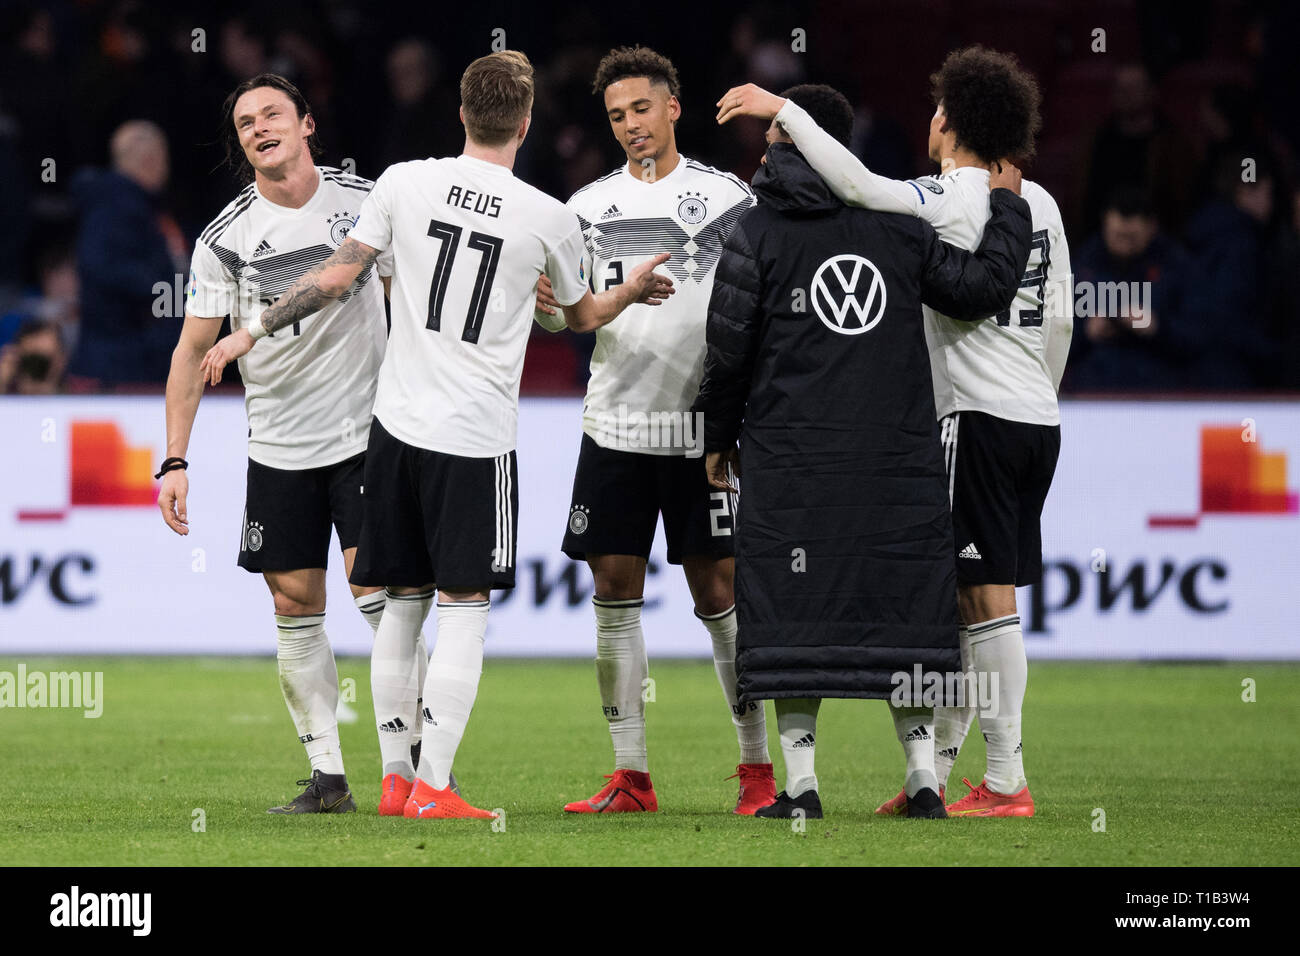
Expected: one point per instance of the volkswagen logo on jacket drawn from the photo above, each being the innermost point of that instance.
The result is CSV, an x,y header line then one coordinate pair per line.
x,y
848,294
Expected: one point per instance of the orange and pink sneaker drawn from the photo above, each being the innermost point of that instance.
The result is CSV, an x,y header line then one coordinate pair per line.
x,y
396,792
757,787
983,802
628,791
897,807
426,803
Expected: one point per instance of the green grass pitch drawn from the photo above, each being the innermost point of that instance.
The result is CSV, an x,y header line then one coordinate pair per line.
x,y
1184,770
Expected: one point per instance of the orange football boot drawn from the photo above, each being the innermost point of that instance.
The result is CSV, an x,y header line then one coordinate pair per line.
x,y
396,792
897,807
426,803
983,802
628,791
757,787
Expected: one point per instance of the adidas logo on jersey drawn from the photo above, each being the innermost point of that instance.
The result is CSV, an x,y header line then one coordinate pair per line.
x,y
970,552
807,740
917,734
394,726
264,248
611,213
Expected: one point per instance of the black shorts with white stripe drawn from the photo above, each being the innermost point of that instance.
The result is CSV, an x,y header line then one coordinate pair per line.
x,y
999,472
432,518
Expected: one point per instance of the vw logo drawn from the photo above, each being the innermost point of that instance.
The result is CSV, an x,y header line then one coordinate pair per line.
x,y
848,294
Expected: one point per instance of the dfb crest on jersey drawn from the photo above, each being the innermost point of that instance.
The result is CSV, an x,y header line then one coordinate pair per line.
x,y
848,294
578,520
341,224
691,209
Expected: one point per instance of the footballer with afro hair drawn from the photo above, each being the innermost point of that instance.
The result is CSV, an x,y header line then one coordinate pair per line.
x,y
989,103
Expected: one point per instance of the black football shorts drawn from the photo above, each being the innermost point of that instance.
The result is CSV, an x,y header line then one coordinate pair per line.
x,y
999,472
433,518
619,495
288,514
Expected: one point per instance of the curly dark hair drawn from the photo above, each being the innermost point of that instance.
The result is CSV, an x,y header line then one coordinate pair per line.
x,y
235,157
991,103
625,61
827,106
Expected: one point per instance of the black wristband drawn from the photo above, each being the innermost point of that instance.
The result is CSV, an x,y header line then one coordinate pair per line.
x,y
171,464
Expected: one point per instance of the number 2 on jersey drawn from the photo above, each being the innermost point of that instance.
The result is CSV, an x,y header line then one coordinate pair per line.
x,y
489,249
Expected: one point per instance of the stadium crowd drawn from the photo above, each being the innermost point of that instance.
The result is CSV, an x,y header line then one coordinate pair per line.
x,y
1170,141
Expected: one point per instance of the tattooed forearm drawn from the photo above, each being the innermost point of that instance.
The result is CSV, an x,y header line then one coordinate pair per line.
x,y
319,286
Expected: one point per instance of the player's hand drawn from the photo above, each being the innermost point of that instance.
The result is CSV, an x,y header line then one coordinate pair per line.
x,y
226,350
652,288
546,303
748,100
715,466
1004,175
171,500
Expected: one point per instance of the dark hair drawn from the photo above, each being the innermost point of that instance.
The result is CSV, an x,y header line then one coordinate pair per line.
x,y
827,106
1130,201
626,61
990,102
235,157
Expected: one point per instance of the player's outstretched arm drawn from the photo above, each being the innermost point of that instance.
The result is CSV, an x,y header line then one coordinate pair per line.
x,y
643,285
834,162
184,389
311,293
547,311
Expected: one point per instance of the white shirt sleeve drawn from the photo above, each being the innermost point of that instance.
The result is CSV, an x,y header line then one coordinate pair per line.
x,y
213,291
1058,308
568,265
374,224
848,179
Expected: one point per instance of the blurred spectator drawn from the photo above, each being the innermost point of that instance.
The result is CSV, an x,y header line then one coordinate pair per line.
x,y
125,247
1229,241
33,363
1137,146
421,122
1145,347
56,300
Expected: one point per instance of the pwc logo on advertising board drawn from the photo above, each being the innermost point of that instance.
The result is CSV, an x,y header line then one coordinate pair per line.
x,y
104,471
1238,478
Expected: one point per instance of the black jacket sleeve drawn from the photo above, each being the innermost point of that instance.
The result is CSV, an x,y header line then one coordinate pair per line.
x,y
969,286
732,336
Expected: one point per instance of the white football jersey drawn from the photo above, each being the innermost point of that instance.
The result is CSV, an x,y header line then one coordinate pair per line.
x,y
1009,365
649,360
308,388
469,242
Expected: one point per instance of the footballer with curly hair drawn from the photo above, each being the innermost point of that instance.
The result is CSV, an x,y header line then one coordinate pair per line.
x,y
995,384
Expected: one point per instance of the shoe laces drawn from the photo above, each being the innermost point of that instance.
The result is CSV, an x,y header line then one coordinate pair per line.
x,y
976,793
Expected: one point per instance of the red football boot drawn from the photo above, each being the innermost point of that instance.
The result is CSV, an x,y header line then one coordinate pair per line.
x,y
983,802
757,787
396,792
628,791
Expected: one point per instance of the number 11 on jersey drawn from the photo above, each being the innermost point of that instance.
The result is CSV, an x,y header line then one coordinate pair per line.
x,y
489,249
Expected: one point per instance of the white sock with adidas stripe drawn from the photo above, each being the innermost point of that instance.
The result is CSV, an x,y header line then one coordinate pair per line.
x,y
621,670
914,727
394,670
451,686
952,724
997,648
310,683
796,721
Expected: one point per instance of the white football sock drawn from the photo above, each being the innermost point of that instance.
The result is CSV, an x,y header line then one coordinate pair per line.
x,y
621,671
796,720
394,664
451,686
997,648
952,724
914,727
749,720
310,683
